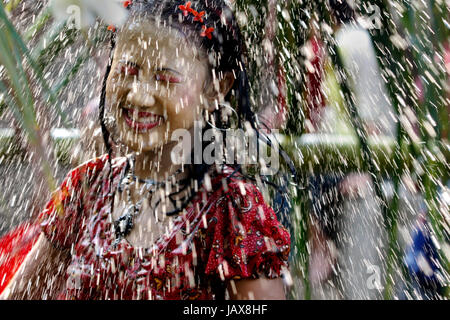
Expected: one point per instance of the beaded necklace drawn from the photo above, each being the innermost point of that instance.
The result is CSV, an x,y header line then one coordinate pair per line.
x,y
125,223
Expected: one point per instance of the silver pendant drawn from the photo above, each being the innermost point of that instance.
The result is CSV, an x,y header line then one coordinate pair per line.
x,y
124,224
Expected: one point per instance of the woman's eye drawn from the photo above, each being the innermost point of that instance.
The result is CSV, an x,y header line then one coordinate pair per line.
x,y
129,70
167,78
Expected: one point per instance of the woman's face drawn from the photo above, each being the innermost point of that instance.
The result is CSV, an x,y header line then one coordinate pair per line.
x,y
156,84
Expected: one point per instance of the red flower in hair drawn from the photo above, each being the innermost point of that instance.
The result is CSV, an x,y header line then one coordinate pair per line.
x,y
199,16
112,28
127,3
207,32
186,8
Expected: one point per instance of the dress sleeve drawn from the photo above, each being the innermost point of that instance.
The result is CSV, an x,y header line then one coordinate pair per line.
x,y
244,238
61,218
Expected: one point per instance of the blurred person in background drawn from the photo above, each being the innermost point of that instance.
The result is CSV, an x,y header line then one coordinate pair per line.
x,y
339,232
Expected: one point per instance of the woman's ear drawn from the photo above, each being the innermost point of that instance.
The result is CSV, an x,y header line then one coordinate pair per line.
x,y
216,89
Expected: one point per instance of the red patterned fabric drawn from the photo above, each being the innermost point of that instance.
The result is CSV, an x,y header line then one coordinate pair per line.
x,y
14,247
227,233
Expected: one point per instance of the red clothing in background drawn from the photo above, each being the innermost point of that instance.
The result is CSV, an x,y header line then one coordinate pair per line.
x,y
315,74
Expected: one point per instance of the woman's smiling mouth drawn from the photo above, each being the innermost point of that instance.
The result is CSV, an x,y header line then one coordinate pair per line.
x,y
141,121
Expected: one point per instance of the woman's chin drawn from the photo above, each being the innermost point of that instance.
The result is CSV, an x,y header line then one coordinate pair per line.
x,y
145,142
142,141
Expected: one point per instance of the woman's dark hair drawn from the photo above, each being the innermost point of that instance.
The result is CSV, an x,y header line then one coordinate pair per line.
x,y
226,46
342,11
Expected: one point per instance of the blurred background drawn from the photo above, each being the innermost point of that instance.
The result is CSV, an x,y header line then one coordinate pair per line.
x,y
359,91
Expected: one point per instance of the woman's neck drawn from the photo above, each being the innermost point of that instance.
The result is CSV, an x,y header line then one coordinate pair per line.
x,y
156,164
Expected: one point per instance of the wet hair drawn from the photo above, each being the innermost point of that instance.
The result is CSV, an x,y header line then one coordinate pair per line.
x,y
342,11
226,52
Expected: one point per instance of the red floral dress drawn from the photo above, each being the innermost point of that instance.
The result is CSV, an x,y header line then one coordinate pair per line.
x,y
226,233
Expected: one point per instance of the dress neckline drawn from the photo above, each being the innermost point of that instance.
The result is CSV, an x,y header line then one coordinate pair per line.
x,y
161,242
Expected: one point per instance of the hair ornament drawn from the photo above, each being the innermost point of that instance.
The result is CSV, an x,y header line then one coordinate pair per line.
x,y
207,32
186,8
127,4
198,16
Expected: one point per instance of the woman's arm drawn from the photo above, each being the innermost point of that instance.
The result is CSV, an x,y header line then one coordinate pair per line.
x,y
41,275
257,289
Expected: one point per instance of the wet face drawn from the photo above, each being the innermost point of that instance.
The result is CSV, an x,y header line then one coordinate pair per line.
x,y
156,85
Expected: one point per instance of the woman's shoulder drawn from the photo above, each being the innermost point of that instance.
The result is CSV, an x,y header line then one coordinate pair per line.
x,y
242,191
99,162
93,167
243,238
230,179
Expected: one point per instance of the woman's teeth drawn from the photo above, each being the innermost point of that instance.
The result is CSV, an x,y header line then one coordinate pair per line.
x,y
142,121
142,117
150,119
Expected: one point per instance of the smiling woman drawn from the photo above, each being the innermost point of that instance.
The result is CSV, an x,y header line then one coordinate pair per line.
x,y
139,226
154,94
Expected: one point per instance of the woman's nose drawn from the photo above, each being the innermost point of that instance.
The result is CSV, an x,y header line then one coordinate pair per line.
x,y
142,96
